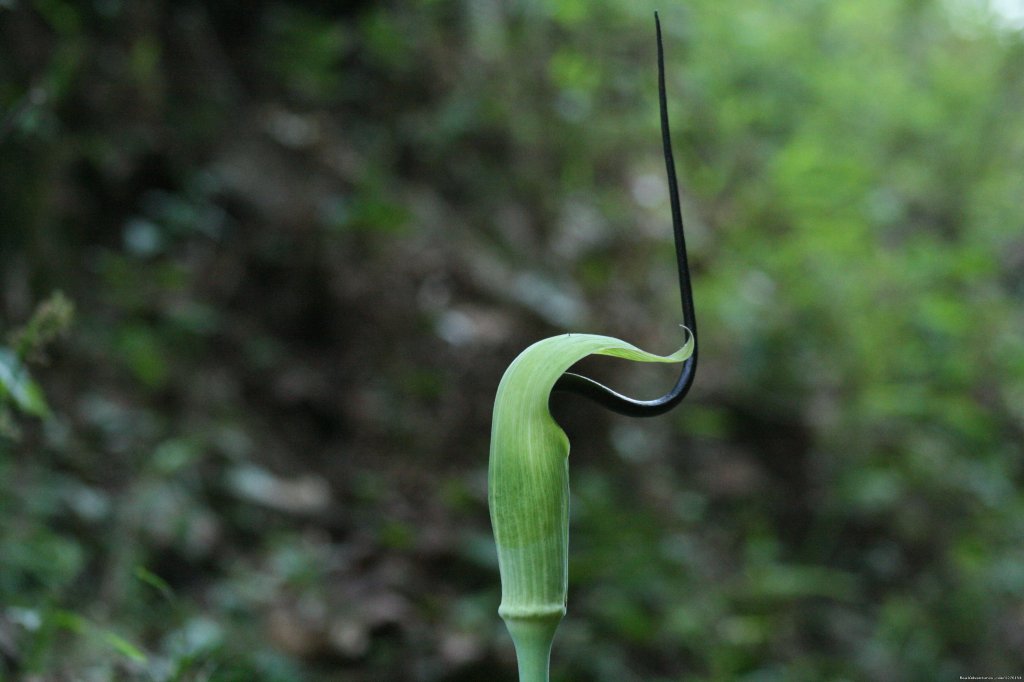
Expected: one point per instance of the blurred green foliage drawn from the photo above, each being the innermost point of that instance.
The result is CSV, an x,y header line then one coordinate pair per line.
x,y
302,241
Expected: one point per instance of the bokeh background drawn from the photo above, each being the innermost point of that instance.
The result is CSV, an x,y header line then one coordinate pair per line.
x,y
263,264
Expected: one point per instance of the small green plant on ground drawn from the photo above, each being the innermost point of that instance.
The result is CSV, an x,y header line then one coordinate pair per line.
x,y
18,392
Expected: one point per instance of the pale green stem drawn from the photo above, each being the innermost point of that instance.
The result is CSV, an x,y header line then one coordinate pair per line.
x,y
533,638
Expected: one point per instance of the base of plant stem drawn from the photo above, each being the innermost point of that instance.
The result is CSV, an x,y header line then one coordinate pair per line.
x,y
533,637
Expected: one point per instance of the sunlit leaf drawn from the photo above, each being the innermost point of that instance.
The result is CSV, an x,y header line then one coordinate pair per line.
x,y
16,383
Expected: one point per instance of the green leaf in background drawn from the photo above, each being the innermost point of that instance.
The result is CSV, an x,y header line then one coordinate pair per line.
x,y
528,489
16,383
73,622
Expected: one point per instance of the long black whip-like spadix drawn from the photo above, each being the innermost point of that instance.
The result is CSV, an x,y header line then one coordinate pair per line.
x,y
601,394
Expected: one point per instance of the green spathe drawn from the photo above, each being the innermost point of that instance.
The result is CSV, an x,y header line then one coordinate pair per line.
x,y
528,489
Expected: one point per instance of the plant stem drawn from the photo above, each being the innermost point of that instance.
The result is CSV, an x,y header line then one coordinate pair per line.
x,y
533,637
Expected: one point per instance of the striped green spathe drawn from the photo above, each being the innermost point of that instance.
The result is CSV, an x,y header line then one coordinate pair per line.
x,y
528,488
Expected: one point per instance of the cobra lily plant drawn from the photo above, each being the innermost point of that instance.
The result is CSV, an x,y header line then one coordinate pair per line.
x,y
528,475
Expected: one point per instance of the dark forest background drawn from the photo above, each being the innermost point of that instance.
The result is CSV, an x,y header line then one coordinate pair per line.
x,y
263,264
